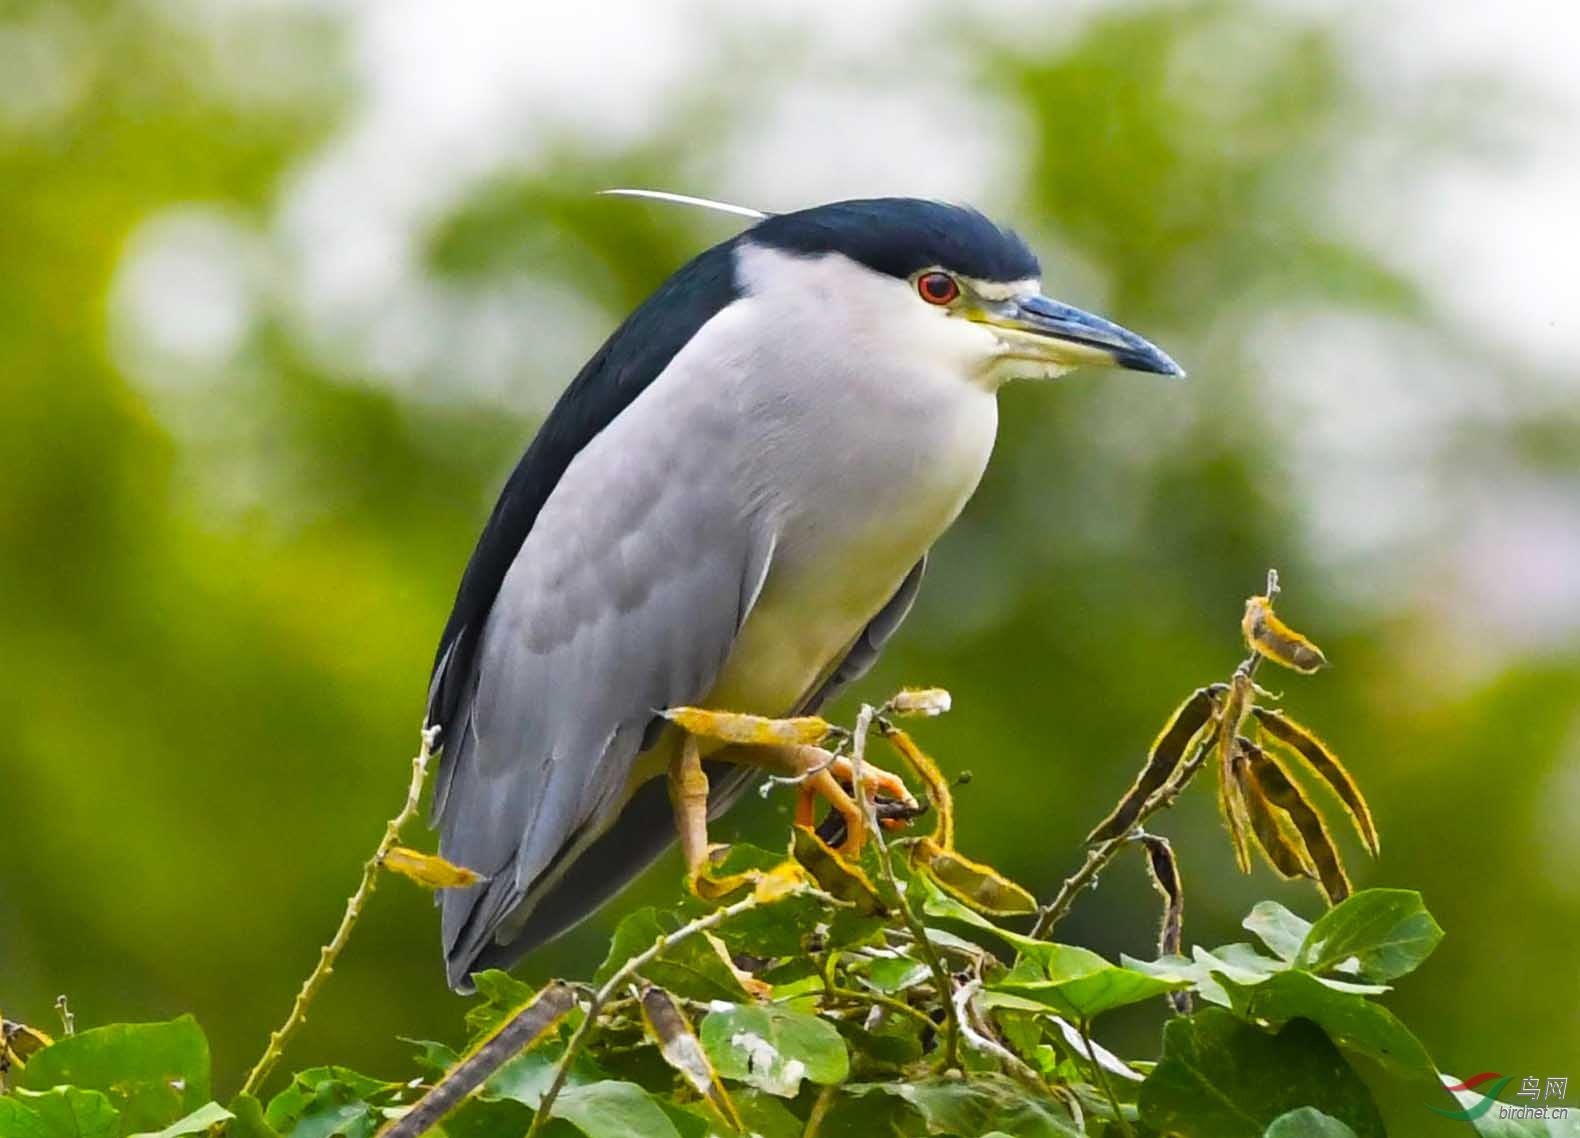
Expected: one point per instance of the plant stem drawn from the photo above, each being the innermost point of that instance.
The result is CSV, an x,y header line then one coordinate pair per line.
x,y
856,996
858,750
601,997
1102,1078
820,1108
331,951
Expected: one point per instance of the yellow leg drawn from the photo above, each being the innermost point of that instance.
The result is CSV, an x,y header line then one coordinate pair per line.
x,y
688,796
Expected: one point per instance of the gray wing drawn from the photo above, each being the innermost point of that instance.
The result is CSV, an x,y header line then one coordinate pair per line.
x,y
625,598
645,828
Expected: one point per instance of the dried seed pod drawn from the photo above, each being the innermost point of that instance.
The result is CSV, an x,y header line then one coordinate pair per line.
x,y
920,701
1274,832
1168,750
1304,742
1321,853
1268,636
666,1023
981,887
1231,803
1163,868
932,780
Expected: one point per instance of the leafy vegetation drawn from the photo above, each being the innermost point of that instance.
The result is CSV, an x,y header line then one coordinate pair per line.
x,y
869,988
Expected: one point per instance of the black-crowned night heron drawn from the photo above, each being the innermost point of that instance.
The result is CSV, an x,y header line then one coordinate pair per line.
x,y
730,507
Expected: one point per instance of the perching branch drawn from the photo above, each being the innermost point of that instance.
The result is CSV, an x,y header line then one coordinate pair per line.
x,y
331,951
858,750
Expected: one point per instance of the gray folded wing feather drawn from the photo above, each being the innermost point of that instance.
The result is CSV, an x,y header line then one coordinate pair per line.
x,y
625,598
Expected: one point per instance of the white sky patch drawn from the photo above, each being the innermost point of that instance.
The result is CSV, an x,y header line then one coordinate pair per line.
x,y
185,296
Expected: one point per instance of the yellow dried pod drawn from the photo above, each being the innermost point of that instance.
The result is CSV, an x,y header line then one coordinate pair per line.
x,y
429,870
1321,853
666,1023
737,727
1168,750
19,1042
1231,802
933,781
1275,835
1303,742
978,886
1268,636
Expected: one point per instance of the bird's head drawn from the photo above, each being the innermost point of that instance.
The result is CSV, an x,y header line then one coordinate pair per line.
x,y
945,280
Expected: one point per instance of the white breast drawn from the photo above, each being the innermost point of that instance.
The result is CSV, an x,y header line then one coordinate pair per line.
x,y
862,442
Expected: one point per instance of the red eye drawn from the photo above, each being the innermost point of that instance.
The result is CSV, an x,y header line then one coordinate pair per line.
x,y
937,288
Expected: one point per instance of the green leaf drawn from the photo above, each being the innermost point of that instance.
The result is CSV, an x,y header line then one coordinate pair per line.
x,y
1222,1078
195,1123
247,1120
1378,934
524,1078
433,1059
890,974
1092,994
613,1110
766,1116
1307,1122
64,1112
501,995
1349,1018
19,1121
1275,926
321,1102
773,1048
486,1118
973,1105
153,1073
1057,961
692,969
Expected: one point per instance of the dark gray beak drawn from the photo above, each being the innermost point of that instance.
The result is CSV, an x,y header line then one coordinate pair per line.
x,y
1071,336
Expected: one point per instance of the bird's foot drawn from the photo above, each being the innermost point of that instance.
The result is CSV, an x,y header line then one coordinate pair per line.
x,y
832,778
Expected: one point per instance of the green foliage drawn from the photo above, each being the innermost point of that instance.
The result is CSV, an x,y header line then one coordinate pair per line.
x,y
846,1022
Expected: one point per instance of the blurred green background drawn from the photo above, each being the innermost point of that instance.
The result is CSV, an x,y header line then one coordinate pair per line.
x,y
285,287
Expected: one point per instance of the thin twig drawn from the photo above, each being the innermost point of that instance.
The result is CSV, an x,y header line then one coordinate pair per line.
x,y
820,1109
858,750
986,1044
877,999
610,987
331,951
1103,1079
